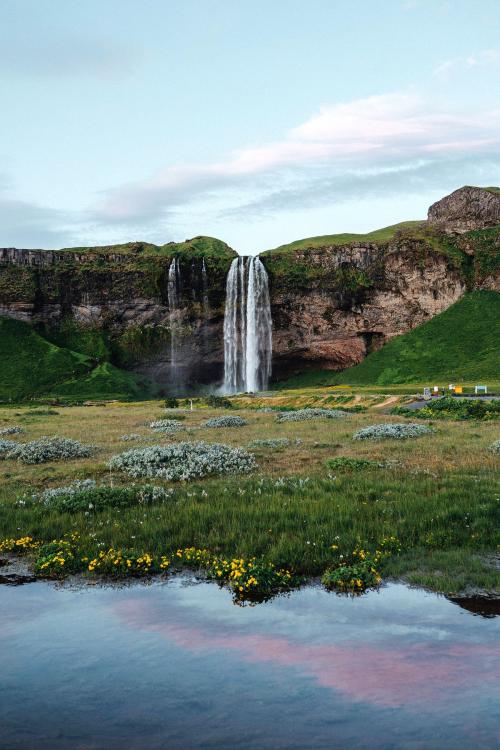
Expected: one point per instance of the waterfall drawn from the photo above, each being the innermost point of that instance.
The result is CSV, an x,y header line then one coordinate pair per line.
x,y
232,338
174,277
247,327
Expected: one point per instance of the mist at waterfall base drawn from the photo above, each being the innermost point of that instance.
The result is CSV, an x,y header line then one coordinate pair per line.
x,y
247,327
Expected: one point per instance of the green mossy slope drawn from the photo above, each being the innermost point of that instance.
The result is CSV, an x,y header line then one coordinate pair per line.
x,y
459,344
32,367
30,364
104,381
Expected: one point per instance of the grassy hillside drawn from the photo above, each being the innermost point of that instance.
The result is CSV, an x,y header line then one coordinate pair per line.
x,y
104,381
30,364
32,367
460,344
209,247
378,235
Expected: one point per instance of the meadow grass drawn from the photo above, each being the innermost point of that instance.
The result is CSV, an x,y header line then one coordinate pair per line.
x,y
438,494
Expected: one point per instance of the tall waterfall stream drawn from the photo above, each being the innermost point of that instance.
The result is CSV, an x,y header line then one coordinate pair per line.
x,y
247,327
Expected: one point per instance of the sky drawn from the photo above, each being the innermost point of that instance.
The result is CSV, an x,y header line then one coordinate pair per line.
x,y
256,122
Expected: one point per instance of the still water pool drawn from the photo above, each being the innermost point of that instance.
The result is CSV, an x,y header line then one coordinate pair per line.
x,y
177,665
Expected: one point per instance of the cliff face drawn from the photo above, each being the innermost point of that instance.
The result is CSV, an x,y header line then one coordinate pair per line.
x,y
114,304
351,300
332,301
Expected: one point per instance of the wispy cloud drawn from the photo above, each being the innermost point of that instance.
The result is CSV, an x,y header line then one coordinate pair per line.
x,y
447,68
371,148
353,142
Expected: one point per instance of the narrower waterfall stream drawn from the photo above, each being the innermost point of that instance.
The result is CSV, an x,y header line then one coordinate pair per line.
x,y
204,287
247,327
174,274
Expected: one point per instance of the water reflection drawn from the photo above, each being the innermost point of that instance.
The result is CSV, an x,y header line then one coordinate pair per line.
x,y
177,665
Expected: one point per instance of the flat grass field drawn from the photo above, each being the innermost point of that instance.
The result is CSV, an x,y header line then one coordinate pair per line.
x,y
439,494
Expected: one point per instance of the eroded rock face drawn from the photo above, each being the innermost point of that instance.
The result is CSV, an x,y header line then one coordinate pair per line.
x,y
326,326
466,209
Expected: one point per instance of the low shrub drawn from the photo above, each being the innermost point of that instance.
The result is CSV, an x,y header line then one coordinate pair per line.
x,y
218,402
130,437
250,579
50,496
304,414
11,430
167,426
171,403
226,421
346,463
355,578
6,447
50,449
392,430
183,461
355,572
86,495
494,447
273,443
449,407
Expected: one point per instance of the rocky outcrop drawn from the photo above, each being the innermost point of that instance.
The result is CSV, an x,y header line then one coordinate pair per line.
x,y
466,209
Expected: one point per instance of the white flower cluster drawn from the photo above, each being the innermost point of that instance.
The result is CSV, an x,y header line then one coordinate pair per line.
x,y
303,414
129,438
151,493
167,426
182,461
273,443
494,447
226,421
48,496
394,430
50,449
11,430
6,446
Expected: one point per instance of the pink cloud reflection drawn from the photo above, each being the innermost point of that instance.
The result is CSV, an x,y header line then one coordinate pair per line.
x,y
387,675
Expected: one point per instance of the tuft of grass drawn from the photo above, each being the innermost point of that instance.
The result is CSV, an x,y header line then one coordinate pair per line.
x,y
347,463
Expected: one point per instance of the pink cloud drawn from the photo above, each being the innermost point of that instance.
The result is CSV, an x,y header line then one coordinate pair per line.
x,y
364,133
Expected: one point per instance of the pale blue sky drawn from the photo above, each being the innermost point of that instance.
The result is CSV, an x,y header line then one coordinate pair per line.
x,y
258,122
